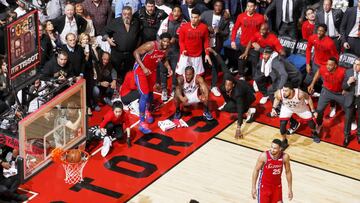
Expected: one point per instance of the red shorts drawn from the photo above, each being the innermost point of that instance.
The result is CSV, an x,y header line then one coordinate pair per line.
x,y
144,83
270,194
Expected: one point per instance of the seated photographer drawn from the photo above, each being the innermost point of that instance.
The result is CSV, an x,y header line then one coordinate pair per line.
x,y
58,68
105,83
10,183
115,122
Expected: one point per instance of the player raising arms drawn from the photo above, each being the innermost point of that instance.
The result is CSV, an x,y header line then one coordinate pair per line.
x,y
270,163
147,58
191,89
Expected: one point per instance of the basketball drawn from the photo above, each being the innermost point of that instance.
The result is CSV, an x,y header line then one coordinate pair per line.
x,y
73,156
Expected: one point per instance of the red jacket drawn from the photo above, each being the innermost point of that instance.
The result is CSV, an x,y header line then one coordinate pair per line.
x,y
249,25
110,117
193,40
324,49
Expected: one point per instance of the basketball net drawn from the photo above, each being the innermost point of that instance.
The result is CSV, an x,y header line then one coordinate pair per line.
x,y
73,171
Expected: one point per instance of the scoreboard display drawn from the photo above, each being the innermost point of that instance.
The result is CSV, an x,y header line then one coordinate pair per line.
x,y
23,45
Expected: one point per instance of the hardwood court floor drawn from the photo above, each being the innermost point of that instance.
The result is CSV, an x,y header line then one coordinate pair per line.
x,y
302,149
221,171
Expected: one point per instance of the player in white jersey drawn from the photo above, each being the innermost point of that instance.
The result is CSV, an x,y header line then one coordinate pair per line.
x,y
191,89
294,101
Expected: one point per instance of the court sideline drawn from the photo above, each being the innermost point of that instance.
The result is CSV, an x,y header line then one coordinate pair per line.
x,y
221,171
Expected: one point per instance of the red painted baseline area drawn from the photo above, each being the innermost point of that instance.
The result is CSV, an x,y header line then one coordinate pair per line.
x,y
126,171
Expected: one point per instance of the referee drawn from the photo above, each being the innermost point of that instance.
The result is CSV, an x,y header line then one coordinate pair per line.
x,y
333,77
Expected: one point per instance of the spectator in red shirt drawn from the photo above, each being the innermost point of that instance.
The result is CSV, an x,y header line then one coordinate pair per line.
x,y
250,23
260,40
113,125
333,77
308,26
324,48
193,38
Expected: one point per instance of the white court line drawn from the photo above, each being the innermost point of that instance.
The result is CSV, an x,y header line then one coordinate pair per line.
x,y
133,125
34,194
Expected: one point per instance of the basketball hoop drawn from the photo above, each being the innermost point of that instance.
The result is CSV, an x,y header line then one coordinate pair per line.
x,y
74,170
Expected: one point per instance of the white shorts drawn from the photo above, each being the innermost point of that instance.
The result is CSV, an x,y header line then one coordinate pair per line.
x,y
286,113
185,61
192,98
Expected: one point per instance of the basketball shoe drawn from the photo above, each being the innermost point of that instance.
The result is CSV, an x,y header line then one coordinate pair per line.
x,y
144,128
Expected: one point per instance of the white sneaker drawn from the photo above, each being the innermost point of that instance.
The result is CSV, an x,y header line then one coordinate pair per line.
x,y
164,96
216,91
263,100
134,108
332,112
316,94
256,88
354,125
222,106
250,115
106,146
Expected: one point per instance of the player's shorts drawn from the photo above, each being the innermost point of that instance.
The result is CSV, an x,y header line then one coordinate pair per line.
x,y
270,194
286,113
185,61
193,98
144,83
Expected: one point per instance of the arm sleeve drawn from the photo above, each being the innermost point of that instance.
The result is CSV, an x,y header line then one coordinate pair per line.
x,y
345,85
334,51
118,8
278,46
105,121
240,107
181,39
235,29
206,40
343,26
308,50
303,31
109,14
126,121
270,8
113,74
282,71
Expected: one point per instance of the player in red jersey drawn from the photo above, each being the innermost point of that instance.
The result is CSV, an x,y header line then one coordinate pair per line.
x,y
249,22
193,38
271,163
147,58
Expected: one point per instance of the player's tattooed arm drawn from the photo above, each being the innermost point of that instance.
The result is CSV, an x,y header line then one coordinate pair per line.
x,y
179,88
147,47
203,87
259,164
